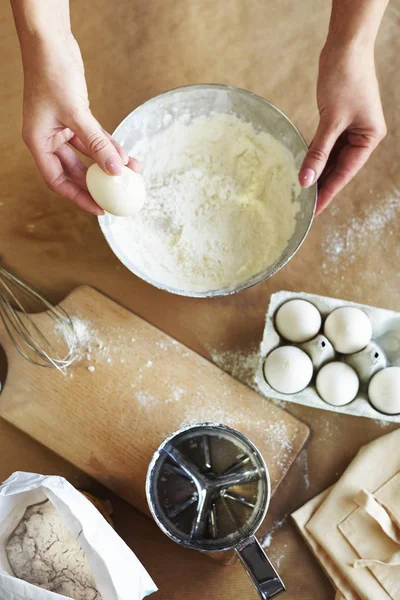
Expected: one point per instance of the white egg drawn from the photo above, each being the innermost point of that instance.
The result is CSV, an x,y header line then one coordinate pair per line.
x,y
298,320
348,329
337,383
384,391
121,195
288,369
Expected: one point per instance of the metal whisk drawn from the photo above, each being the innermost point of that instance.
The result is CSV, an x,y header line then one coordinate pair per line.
x,y
54,342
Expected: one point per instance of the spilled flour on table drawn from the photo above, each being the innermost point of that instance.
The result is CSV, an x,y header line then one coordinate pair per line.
x,y
355,239
267,540
241,364
278,556
355,235
302,460
383,424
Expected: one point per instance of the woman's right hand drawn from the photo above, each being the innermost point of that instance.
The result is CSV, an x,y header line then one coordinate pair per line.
x,y
57,120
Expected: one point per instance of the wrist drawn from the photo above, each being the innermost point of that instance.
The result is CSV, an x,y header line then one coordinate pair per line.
x,y
43,54
348,41
41,22
37,40
347,50
354,24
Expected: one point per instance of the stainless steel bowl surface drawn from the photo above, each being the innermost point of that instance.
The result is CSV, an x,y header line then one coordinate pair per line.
x,y
201,100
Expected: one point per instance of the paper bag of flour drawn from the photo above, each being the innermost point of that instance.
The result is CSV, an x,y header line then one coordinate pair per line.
x,y
50,531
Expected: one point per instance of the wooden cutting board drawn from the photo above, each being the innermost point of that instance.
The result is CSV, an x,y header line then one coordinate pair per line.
x,y
132,387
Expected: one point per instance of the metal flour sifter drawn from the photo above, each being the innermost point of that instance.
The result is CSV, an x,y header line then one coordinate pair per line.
x,y
208,489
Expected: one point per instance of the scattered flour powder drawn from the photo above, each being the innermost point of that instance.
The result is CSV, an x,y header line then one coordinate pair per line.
x,y
221,204
354,241
267,540
241,364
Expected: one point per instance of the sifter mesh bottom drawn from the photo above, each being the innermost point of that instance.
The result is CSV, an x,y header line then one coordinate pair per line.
x,y
209,488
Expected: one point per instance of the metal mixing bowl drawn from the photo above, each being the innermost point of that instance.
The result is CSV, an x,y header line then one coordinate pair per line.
x,y
201,100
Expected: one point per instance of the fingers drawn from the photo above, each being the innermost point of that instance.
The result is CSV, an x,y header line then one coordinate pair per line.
x,y
51,168
73,166
97,143
336,154
80,146
349,161
120,149
61,168
128,161
135,165
318,152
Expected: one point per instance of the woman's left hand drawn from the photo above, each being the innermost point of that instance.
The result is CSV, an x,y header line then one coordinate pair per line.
x,y
351,120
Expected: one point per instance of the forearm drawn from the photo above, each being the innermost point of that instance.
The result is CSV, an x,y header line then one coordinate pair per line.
x,y
355,22
351,121
41,22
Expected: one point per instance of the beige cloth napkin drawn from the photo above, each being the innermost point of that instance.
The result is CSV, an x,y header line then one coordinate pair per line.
x,y
301,518
374,534
353,528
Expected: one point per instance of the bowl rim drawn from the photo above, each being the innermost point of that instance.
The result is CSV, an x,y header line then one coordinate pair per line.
x,y
258,277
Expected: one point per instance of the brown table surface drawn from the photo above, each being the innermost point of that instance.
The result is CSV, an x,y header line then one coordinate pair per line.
x,y
132,51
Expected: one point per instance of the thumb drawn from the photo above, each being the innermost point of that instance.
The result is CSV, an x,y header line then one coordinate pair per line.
x,y
99,145
318,153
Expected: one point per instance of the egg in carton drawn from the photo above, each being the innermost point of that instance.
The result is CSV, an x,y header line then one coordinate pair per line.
x,y
331,354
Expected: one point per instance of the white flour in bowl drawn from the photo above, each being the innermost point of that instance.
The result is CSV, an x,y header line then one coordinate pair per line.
x,y
221,204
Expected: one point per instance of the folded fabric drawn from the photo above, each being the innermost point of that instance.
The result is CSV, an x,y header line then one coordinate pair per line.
x,y
301,517
353,528
373,533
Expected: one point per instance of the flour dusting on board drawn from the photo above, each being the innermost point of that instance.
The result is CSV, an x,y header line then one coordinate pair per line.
x,y
82,337
145,399
242,365
275,435
82,332
97,351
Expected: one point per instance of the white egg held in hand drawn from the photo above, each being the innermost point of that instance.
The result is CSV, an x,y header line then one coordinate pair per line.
x,y
120,195
337,383
298,320
384,391
288,369
348,329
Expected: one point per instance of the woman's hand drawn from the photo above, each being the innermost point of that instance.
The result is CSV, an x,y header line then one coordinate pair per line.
x,y
351,121
351,118
57,120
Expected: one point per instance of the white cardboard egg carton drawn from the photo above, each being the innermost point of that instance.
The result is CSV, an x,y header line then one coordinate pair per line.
x,y
385,334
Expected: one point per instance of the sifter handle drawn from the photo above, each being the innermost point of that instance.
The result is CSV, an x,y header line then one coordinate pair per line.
x,y
261,572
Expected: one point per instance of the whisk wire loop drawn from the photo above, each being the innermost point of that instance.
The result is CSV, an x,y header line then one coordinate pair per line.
x,y
36,346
